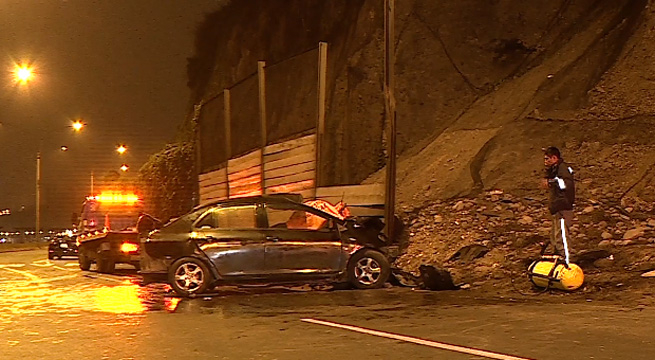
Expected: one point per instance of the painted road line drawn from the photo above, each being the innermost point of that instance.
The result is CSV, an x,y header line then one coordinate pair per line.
x,y
57,278
73,264
12,266
43,263
101,277
61,268
434,344
24,273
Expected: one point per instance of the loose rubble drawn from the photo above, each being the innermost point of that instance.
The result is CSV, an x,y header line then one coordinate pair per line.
x,y
614,241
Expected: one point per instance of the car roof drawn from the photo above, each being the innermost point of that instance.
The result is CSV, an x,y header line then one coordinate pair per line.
x,y
283,198
272,198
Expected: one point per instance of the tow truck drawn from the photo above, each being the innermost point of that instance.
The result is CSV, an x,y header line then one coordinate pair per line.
x,y
107,231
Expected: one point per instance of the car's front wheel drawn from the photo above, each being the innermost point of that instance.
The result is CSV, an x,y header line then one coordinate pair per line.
x,y
368,269
189,276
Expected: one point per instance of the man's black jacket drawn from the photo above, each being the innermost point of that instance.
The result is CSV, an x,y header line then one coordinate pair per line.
x,y
562,187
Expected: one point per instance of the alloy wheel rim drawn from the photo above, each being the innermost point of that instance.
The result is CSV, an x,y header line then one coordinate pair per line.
x,y
367,271
189,277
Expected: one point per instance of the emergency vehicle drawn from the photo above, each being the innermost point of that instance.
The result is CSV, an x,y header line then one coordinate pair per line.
x,y
107,231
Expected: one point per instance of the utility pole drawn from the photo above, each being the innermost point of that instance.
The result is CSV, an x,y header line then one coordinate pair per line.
x,y
38,197
390,112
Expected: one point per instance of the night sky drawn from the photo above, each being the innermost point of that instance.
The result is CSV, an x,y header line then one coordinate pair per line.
x,y
119,65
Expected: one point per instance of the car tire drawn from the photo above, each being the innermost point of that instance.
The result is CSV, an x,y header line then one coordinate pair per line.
x,y
84,260
189,276
51,256
368,269
106,265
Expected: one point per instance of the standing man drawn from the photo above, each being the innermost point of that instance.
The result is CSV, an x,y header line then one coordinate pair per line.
x,y
559,180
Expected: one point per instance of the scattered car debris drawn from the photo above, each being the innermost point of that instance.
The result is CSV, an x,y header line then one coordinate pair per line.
x,y
430,278
648,274
469,253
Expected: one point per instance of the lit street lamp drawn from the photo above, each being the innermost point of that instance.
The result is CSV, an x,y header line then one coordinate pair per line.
x,y
121,149
77,125
124,167
23,74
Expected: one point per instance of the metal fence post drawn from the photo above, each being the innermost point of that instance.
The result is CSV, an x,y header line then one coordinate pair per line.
x,y
322,89
261,74
389,63
227,109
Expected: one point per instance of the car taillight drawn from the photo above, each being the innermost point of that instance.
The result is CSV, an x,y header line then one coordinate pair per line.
x,y
129,247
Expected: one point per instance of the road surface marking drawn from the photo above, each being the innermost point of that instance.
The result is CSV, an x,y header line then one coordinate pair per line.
x,y
61,268
434,344
101,277
12,266
42,263
72,264
24,273
57,278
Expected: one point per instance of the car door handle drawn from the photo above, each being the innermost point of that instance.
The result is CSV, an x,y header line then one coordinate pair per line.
x,y
272,238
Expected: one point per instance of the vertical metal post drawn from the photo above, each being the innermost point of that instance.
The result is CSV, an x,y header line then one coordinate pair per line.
x,y
92,181
322,90
390,101
261,75
38,197
195,123
227,112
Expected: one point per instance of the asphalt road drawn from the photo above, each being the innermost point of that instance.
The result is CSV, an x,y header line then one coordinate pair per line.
x,y
52,310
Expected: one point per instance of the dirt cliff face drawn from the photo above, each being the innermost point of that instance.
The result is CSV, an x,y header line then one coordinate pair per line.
x,y
481,86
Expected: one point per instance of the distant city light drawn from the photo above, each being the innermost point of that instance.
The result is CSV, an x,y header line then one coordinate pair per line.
x,y
64,148
121,149
124,167
4,212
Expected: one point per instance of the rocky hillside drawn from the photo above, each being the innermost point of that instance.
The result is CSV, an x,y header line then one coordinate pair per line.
x,y
481,86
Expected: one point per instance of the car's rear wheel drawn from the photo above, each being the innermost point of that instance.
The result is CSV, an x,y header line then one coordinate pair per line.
x,y
189,276
51,256
368,269
84,260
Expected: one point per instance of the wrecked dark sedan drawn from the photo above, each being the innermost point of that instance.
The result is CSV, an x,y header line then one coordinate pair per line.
x,y
271,239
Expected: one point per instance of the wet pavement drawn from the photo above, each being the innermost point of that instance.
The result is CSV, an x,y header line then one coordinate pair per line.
x,y
51,309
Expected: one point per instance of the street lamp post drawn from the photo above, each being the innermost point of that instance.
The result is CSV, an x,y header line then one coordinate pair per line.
x,y
77,126
38,197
